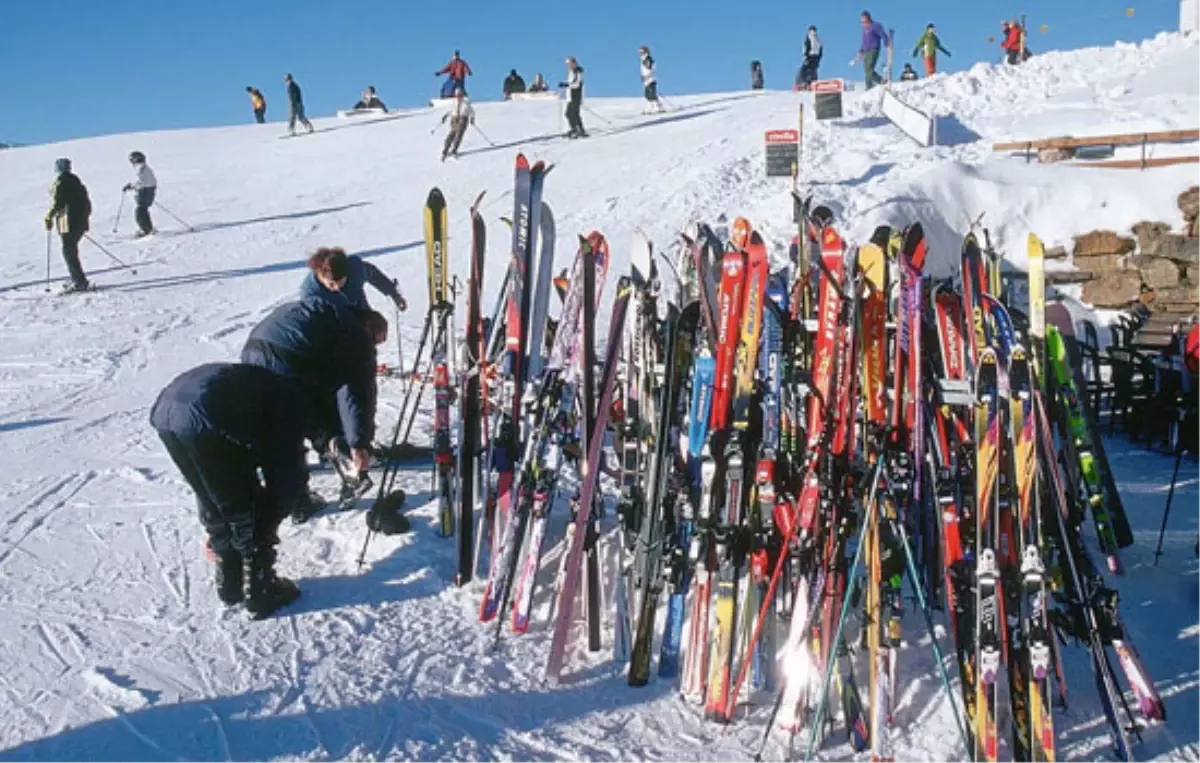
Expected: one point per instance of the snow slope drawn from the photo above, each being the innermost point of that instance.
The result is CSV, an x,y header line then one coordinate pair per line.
x,y
114,645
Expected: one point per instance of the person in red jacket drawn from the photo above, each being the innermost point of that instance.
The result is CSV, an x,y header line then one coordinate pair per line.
x,y
1012,42
457,69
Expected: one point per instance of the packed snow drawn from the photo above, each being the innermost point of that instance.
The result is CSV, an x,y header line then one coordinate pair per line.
x,y
114,644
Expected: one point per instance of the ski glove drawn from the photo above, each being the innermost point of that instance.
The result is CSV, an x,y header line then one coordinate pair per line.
x,y
128,187
401,303
562,84
49,222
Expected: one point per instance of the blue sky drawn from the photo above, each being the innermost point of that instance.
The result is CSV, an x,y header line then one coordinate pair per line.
x,y
75,68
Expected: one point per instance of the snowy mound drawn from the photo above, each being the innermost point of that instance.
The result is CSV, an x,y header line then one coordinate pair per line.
x,y
114,643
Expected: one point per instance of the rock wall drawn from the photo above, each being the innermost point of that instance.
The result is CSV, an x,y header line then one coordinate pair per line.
x,y
1153,264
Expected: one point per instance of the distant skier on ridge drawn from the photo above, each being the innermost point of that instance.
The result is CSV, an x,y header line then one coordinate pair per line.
x,y
539,84
930,44
874,36
144,188
513,84
457,69
71,208
258,103
295,106
649,81
574,86
813,51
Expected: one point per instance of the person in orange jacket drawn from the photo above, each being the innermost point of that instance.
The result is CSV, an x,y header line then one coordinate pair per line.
x,y
259,103
457,69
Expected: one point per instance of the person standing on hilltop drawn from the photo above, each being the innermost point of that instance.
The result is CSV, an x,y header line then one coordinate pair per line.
x,y
813,51
144,187
649,81
873,38
756,75
513,84
71,208
574,86
295,106
1013,44
457,70
259,103
539,84
930,44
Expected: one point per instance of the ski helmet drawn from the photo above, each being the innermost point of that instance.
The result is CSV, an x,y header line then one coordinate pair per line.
x,y
62,165
137,157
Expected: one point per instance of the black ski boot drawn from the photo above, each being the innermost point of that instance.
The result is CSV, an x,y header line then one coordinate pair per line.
x,y
229,577
385,516
266,592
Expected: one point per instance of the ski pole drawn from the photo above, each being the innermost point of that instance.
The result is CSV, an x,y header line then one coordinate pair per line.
x,y
484,134
47,259
111,256
120,207
181,222
1162,530
597,116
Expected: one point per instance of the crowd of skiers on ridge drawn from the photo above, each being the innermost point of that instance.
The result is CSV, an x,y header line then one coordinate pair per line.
x,y
876,40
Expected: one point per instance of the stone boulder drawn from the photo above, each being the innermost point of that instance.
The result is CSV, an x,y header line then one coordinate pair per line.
x,y
1115,290
1100,264
1102,242
1156,272
1189,203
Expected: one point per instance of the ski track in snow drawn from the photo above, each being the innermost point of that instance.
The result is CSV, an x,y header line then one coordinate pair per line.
x,y
114,643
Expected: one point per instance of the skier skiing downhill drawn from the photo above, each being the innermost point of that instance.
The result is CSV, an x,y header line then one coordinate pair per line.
x,y
873,38
574,86
71,208
221,424
295,106
813,51
144,187
341,278
930,44
457,69
461,117
649,82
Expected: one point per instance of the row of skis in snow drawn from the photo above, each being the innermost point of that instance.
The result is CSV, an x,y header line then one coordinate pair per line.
x,y
793,447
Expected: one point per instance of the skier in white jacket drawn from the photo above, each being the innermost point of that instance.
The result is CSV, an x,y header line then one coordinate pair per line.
x,y
461,117
144,187
574,86
649,82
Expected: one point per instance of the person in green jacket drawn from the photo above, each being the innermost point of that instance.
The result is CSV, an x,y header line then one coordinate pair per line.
x,y
931,44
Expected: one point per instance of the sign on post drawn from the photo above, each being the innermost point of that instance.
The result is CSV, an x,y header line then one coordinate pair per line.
x,y
783,153
827,98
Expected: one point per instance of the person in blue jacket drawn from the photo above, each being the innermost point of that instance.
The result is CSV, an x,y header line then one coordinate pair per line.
x,y
328,351
223,423
335,275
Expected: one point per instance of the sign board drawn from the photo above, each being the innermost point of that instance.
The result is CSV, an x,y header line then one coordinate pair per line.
x,y
783,153
827,98
915,123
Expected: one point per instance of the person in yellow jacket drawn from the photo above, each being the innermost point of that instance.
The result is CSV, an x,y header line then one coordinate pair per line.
x,y
259,103
930,44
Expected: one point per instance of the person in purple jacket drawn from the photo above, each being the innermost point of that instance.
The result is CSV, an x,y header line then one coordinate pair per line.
x,y
873,38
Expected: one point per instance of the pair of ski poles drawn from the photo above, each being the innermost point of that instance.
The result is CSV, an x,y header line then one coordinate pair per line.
x,y
121,206
120,263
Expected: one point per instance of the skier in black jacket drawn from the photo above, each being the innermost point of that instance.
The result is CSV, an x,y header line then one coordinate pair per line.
x,y
574,85
221,423
295,106
71,208
513,83
328,350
